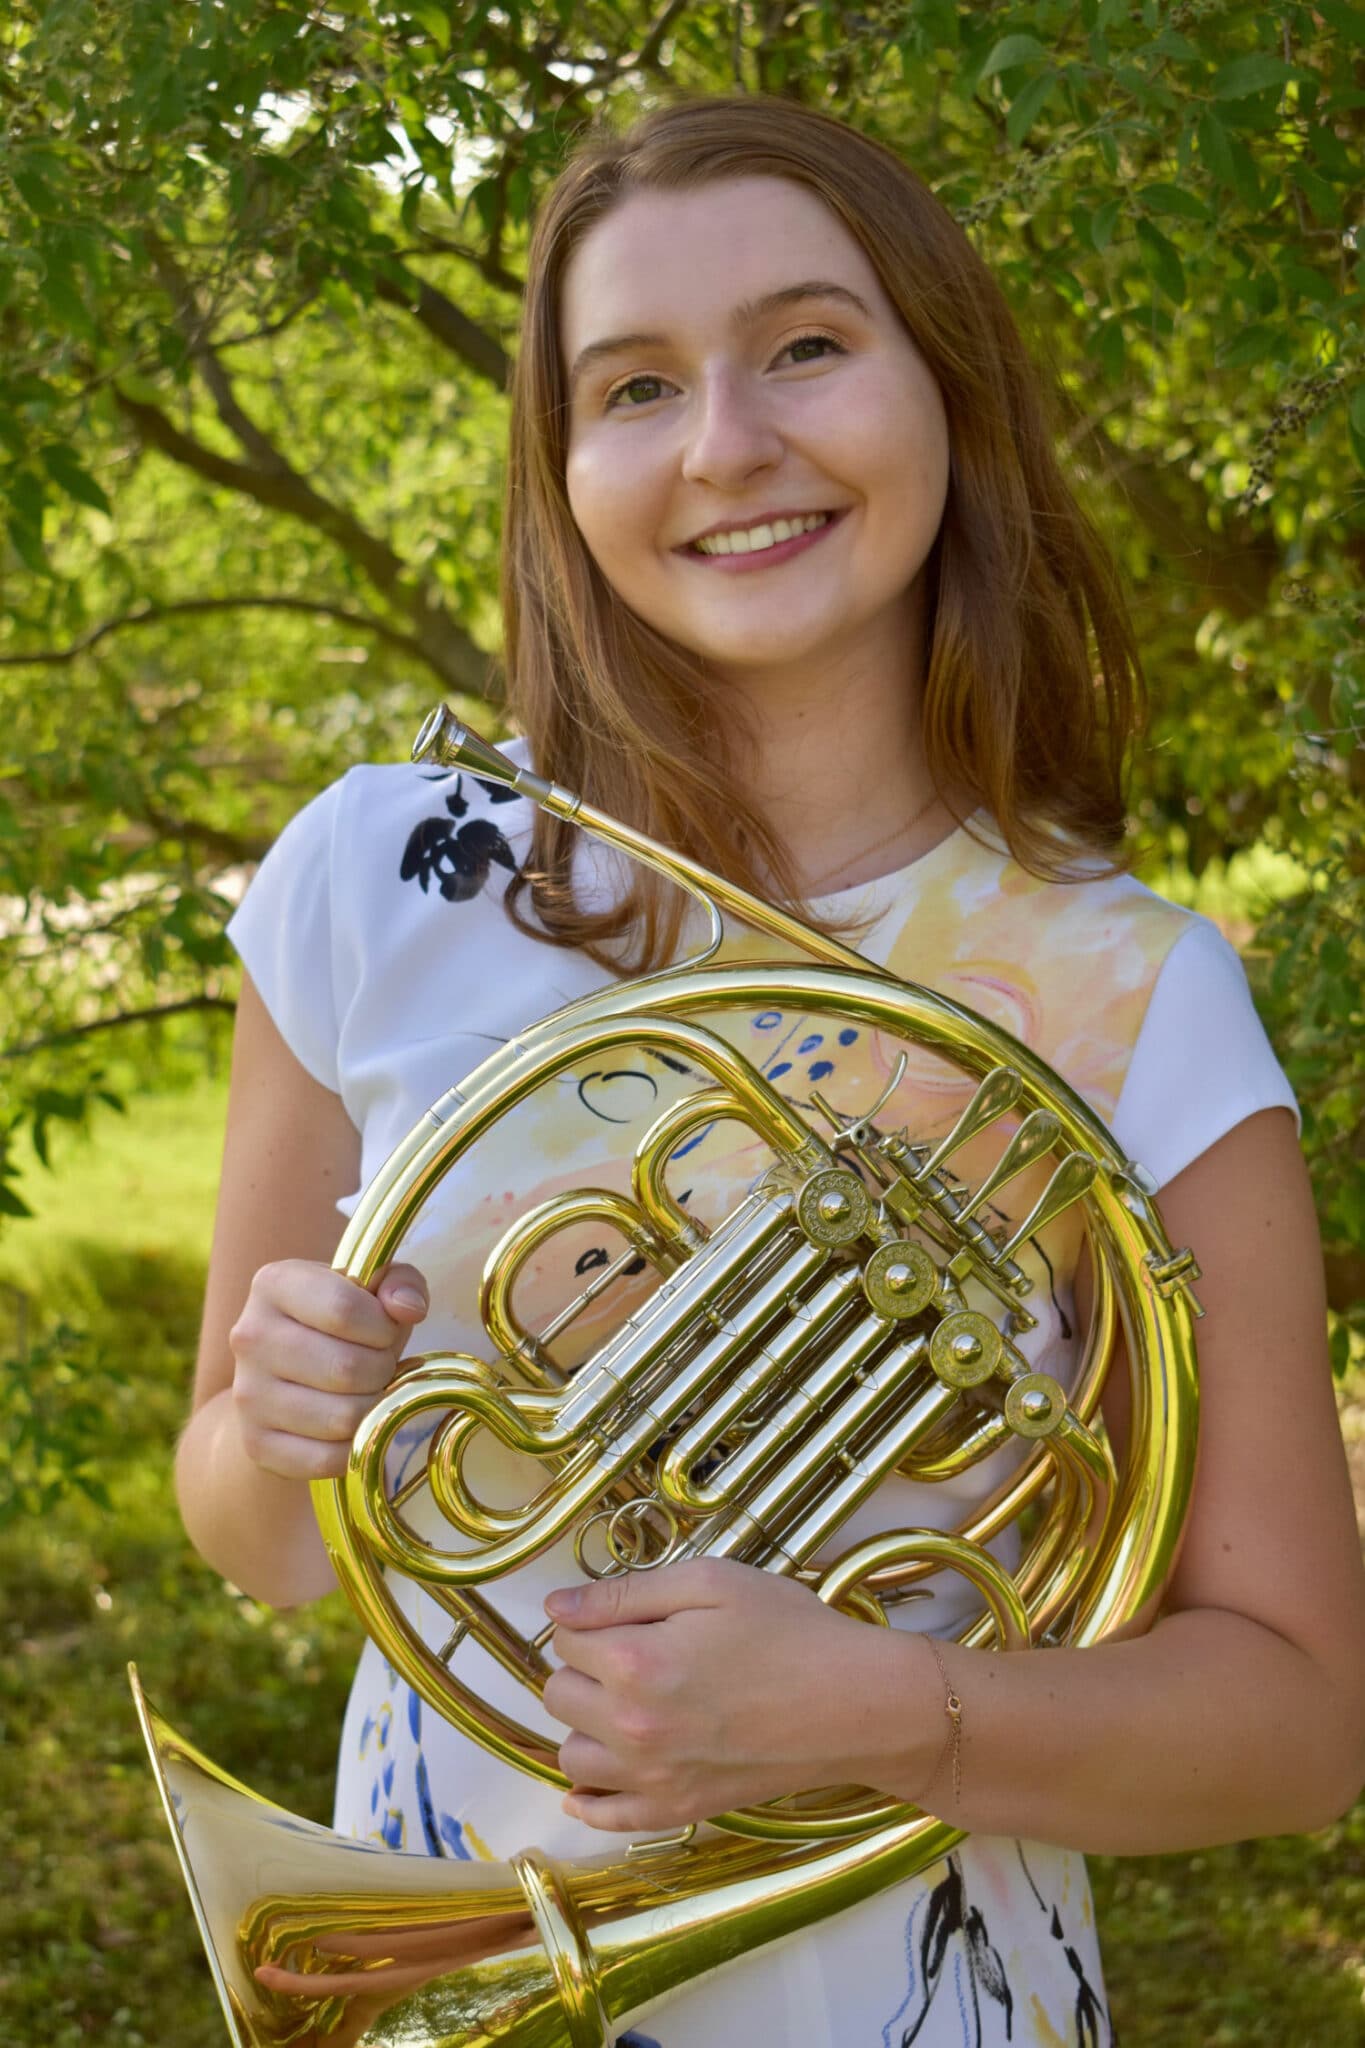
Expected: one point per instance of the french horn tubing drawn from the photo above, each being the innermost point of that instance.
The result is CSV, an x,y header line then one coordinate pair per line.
x,y
856,1315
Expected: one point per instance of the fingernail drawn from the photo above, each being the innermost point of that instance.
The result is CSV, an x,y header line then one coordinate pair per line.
x,y
565,1601
408,1297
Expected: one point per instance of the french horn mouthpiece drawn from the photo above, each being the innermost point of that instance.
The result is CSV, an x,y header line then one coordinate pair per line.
x,y
450,743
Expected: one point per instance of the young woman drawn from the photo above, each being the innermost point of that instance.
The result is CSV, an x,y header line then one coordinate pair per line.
x,y
792,581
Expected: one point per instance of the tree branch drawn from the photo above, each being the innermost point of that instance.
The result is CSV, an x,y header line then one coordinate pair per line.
x,y
445,322
646,58
275,485
56,1038
152,614
434,244
1235,571
446,648
232,846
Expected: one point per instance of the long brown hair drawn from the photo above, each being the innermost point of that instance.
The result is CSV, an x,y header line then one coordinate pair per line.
x,y
1032,684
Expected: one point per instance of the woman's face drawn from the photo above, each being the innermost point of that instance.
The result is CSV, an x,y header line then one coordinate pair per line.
x,y
723,411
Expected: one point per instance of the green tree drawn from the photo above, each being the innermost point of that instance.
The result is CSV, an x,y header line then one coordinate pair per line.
x,y
258,290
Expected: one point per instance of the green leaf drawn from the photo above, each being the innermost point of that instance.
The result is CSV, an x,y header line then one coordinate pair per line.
x,y
1357,441
1215,149
1162,261
1348,22
1103,222
1332,154
1304,283
1161,198
1171,44
1255,73
519,193
12,1204
1107,346
1339,1342
28,545
1228,160
1324,199
62,465
1252,345
433,18
1358,408
1028,105
1009,53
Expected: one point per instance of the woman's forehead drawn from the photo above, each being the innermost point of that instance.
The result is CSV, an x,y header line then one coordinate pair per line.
x,y
672,260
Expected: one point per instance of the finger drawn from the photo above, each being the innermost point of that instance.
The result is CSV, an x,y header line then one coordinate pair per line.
x,y
590,1765
326,1301
403,1294
618,1813
643,1596
577,1701
617,1658
306,1411
369,1983
296,1457
289,1353
427,1944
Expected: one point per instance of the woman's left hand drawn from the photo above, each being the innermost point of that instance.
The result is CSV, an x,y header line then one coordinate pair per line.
x,y
708,1685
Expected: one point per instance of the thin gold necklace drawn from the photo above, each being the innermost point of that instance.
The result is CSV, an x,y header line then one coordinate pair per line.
x,y
896,832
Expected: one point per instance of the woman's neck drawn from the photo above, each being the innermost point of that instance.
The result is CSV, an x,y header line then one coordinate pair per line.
x,y
837,770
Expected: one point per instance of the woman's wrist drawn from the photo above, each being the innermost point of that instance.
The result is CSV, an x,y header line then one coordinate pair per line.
x,y
898,1700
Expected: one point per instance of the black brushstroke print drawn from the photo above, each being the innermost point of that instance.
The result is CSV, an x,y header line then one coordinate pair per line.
x,y
1094,2024
456,856
951,1915
496,792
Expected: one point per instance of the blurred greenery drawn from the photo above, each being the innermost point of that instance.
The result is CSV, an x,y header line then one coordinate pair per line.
x,y
1261,1943
260,273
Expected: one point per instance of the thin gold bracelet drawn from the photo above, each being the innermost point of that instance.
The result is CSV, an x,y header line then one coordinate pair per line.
x,y
952,1707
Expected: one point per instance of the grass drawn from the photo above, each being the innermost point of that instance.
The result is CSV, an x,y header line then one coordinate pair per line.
x,y
1261,1943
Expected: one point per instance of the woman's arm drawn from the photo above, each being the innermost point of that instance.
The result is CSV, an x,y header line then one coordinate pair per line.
x,y
290,1354
1241,1713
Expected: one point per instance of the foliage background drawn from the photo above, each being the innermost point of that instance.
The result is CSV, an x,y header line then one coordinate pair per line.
x,y
259,286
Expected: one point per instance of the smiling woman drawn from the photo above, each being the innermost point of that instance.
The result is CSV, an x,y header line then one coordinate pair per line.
x,y
793,583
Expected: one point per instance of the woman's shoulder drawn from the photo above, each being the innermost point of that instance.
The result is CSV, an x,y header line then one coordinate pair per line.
x,y
392,827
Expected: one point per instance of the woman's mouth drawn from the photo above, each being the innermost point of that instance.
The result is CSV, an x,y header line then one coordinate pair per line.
x,y
760,557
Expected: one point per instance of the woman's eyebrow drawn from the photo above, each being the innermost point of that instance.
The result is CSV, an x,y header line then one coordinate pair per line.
x,y
744,315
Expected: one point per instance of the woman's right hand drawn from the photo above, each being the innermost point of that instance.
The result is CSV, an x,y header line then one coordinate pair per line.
x,y
312,1352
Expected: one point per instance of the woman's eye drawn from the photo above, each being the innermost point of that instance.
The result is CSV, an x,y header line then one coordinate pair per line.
x,y
802,341
620,390
823,340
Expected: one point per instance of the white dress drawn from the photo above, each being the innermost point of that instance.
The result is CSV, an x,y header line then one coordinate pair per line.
x,y
375,933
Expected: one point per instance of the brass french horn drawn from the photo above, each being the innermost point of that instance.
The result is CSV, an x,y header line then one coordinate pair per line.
x,y
855,1315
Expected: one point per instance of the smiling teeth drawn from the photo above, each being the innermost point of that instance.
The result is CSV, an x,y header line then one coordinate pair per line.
x,y
753,539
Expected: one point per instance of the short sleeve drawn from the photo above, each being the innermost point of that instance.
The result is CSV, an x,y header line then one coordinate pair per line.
x,y
282,930
1202,1062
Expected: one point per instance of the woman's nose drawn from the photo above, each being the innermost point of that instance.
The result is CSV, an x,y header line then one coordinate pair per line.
x,y
730,430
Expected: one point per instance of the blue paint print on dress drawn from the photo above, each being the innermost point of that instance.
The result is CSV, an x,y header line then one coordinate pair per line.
x,y
635,2039
414,1715
452,1834
890,2032
426,1810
